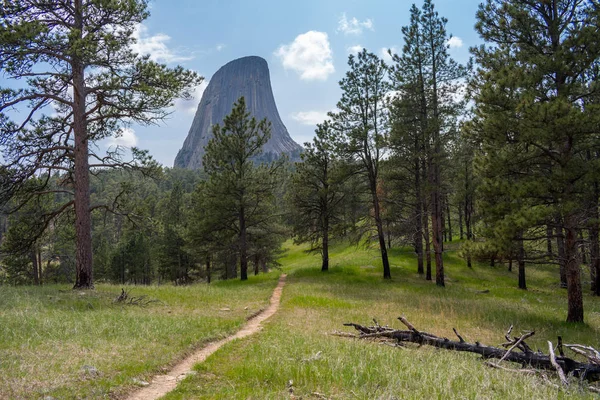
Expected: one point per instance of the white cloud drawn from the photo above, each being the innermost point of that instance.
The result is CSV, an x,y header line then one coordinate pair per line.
x,y
386,56
220,46
125,138
190,106
353,26
156,46
309,55
354,49
454,42
310,117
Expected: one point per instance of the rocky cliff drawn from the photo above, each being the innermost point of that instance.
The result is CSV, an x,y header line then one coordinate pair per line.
x,y
248,77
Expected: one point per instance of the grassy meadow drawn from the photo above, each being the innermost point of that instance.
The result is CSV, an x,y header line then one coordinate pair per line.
x,y
64,344
67,344
296,357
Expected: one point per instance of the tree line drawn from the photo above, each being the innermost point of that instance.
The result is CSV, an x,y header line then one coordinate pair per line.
x,y
501,152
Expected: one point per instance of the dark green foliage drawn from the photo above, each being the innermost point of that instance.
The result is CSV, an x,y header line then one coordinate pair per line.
x,y
535,122
81,83
317,193
361,121
234,211
133,241
174,262
424,118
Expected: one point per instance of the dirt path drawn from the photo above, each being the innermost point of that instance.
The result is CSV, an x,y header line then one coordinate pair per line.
x,y
163,384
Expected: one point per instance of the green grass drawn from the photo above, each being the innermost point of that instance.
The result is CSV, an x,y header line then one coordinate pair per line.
x,y
314,304
49,336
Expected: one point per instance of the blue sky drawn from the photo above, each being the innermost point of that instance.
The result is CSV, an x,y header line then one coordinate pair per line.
x,y
306,44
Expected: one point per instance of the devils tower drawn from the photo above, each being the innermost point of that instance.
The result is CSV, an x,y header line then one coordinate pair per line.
x,y
248,77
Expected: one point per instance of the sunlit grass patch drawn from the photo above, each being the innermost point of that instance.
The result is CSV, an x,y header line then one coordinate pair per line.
x,y
71,344
481,303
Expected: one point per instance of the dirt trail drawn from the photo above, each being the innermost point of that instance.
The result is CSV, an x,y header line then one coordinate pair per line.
x,y
163,384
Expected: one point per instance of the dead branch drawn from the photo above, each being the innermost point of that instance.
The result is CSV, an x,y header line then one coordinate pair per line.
x,y
588,352
559,370
589,371
122,297
459,337
141,301
517,343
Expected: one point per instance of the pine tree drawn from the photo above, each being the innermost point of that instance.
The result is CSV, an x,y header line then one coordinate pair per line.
x,y
75,56
409,125
240,193
22,251
362,122
316,193
427,81
175,263
529,91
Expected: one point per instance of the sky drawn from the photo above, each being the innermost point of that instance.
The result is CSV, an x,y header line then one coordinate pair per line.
x,y
306,44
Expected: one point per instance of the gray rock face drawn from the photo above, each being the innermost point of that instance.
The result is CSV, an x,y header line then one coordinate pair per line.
x,y
248,77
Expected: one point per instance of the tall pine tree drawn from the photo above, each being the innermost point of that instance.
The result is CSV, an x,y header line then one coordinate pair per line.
x,y
361,120
75,55
529,91
240,192
316,193
427,80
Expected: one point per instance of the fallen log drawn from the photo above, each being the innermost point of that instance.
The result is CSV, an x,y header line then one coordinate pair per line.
x,y
526,357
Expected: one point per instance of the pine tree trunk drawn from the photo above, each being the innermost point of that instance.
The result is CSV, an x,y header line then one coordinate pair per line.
x,y
426,234
510,262
521,261
427,248
594,228
208,272
419,242
460,223
40,269
574,293
243,246
325,240
34,273
418,212
387,274
594,249
549,239
436,226
449,220
562,258
468,211
83,222
436,187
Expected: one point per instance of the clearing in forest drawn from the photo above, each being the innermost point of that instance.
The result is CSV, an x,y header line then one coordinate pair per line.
x,y
296,356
